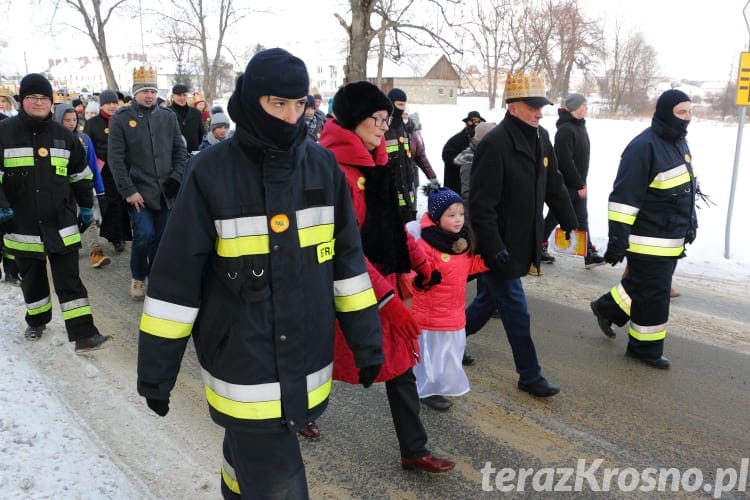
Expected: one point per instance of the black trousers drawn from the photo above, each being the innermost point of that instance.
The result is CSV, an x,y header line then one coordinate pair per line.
x,y
643,298
70,291
404,402
452,177
263,466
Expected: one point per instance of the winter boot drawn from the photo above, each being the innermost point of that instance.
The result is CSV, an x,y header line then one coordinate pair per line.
x,y
592,259
535,271
137,289
92,343
119,246
34,332
98,259
546,257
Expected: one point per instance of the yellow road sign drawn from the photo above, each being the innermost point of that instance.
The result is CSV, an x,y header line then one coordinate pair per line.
x,y
743,80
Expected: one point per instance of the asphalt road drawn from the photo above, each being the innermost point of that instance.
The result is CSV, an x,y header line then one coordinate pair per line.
x,y
693,417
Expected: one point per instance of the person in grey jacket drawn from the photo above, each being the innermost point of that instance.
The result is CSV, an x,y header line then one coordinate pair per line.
x,y
147,157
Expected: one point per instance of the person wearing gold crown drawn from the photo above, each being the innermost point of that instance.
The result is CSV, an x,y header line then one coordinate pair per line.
x,y
513,175
146,154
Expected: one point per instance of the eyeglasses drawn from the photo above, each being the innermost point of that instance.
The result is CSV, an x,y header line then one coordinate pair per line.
x,y
379,122
41,99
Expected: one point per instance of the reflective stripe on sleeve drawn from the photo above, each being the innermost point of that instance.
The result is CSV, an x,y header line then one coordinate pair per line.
x,y
620,212
166,319
662,247
70,235
353,294
23,242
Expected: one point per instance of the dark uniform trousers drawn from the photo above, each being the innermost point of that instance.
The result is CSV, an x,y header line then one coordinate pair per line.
x,y
70,291
646,285
263,466
404,402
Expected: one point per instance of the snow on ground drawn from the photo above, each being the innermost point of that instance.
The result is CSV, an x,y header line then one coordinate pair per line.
x,y
47,452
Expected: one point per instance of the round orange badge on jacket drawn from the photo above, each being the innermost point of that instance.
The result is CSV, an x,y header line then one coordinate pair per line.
x,y
279,223
43,152
133,123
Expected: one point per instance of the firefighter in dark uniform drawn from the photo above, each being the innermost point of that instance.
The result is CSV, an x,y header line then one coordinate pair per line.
x,y
651,218
272,259
43,175
399,158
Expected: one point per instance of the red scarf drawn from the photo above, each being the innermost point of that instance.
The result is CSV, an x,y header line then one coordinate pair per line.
x,y
105,116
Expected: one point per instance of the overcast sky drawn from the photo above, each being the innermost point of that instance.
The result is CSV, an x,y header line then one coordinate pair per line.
x,y
694,39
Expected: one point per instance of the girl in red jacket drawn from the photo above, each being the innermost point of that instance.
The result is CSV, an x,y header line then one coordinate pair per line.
x,y
439,310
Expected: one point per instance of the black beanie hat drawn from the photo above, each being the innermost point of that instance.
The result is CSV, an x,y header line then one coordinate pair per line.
x,y
34,83
108,96
275,72
356,101
397,95
666,103
76,102
439,200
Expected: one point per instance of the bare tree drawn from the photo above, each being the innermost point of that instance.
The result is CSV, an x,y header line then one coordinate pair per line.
x,y
193,18
396,26
360,34
95,15
488,31
565,40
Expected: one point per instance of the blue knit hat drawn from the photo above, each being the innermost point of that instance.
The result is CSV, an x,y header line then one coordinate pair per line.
x,y
439,200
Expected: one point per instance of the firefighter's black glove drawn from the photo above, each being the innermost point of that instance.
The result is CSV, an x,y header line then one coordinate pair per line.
x,y
499,261
368,374
613,256
171,187
435,279
690,236
6,220
159,406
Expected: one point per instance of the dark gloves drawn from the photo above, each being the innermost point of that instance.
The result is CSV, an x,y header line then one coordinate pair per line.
x,y
690,236
434,184
6,220
435,279
159,406
171,187
396,314
85,218
613,256
500,260
368,374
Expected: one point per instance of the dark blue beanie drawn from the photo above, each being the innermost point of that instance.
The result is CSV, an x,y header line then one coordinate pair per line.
x,y
397,95
275,72
439,200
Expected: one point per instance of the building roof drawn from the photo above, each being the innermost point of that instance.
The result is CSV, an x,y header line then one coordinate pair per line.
x,y
442,70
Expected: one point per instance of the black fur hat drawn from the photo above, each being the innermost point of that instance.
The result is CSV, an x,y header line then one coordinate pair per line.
x,y
356,101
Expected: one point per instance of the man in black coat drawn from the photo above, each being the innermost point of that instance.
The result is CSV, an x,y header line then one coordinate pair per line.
x,y
454,146
189,118
573,150
514,173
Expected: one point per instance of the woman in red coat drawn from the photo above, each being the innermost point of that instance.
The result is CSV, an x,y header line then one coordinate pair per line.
x,y
356,137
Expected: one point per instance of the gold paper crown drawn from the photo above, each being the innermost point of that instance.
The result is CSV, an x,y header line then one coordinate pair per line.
x,y
522,85
143,76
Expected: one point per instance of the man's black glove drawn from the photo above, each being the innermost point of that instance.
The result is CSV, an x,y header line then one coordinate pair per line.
x,y
6,220
690,236
171,187
435,279
614,257
368,374
159,406
500,260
